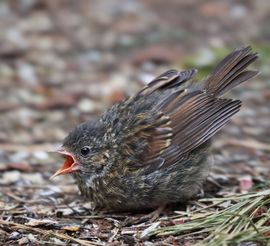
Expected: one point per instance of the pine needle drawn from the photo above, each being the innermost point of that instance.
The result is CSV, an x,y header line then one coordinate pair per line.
x,y
247,219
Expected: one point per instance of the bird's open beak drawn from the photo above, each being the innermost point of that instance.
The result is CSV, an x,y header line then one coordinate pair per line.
x,y
69,166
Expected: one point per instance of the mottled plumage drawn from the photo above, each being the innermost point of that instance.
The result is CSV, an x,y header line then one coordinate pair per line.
x,y
151,149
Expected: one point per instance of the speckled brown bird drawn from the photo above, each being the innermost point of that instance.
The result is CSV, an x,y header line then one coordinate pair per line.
x,y
151,149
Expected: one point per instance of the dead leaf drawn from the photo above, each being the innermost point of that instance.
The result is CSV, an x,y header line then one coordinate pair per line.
x,y
72,228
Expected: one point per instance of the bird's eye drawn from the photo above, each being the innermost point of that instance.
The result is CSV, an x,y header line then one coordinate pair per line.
x,y
85,150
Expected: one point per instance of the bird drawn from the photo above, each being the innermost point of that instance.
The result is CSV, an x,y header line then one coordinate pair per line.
x,y
152,148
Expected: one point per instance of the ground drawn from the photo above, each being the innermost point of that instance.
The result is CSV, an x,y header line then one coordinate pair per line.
x,y
64,62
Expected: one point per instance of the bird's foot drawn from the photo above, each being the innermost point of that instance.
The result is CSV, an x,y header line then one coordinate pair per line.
x,y
153,216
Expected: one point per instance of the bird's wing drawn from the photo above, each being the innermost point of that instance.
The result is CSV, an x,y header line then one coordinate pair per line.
x,y
144,128
159,134
182,122
195,118
170,118
169,79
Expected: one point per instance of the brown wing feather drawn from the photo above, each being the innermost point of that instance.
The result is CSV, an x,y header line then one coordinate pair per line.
x,y
160,136
153,135
196,121
183,119
230,72
169,79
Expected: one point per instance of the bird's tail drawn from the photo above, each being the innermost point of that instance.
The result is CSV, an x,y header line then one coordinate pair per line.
x,y
231,72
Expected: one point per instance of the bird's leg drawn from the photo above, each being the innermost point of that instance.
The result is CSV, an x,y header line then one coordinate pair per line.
x,y
155,214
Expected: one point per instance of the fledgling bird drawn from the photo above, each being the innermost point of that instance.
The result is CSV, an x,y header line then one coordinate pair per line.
x,y
151,149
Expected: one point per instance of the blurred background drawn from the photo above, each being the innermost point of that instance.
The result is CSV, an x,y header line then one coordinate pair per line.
x,y
64,62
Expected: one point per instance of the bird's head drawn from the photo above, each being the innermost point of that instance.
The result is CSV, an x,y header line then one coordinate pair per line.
x,y
84,151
